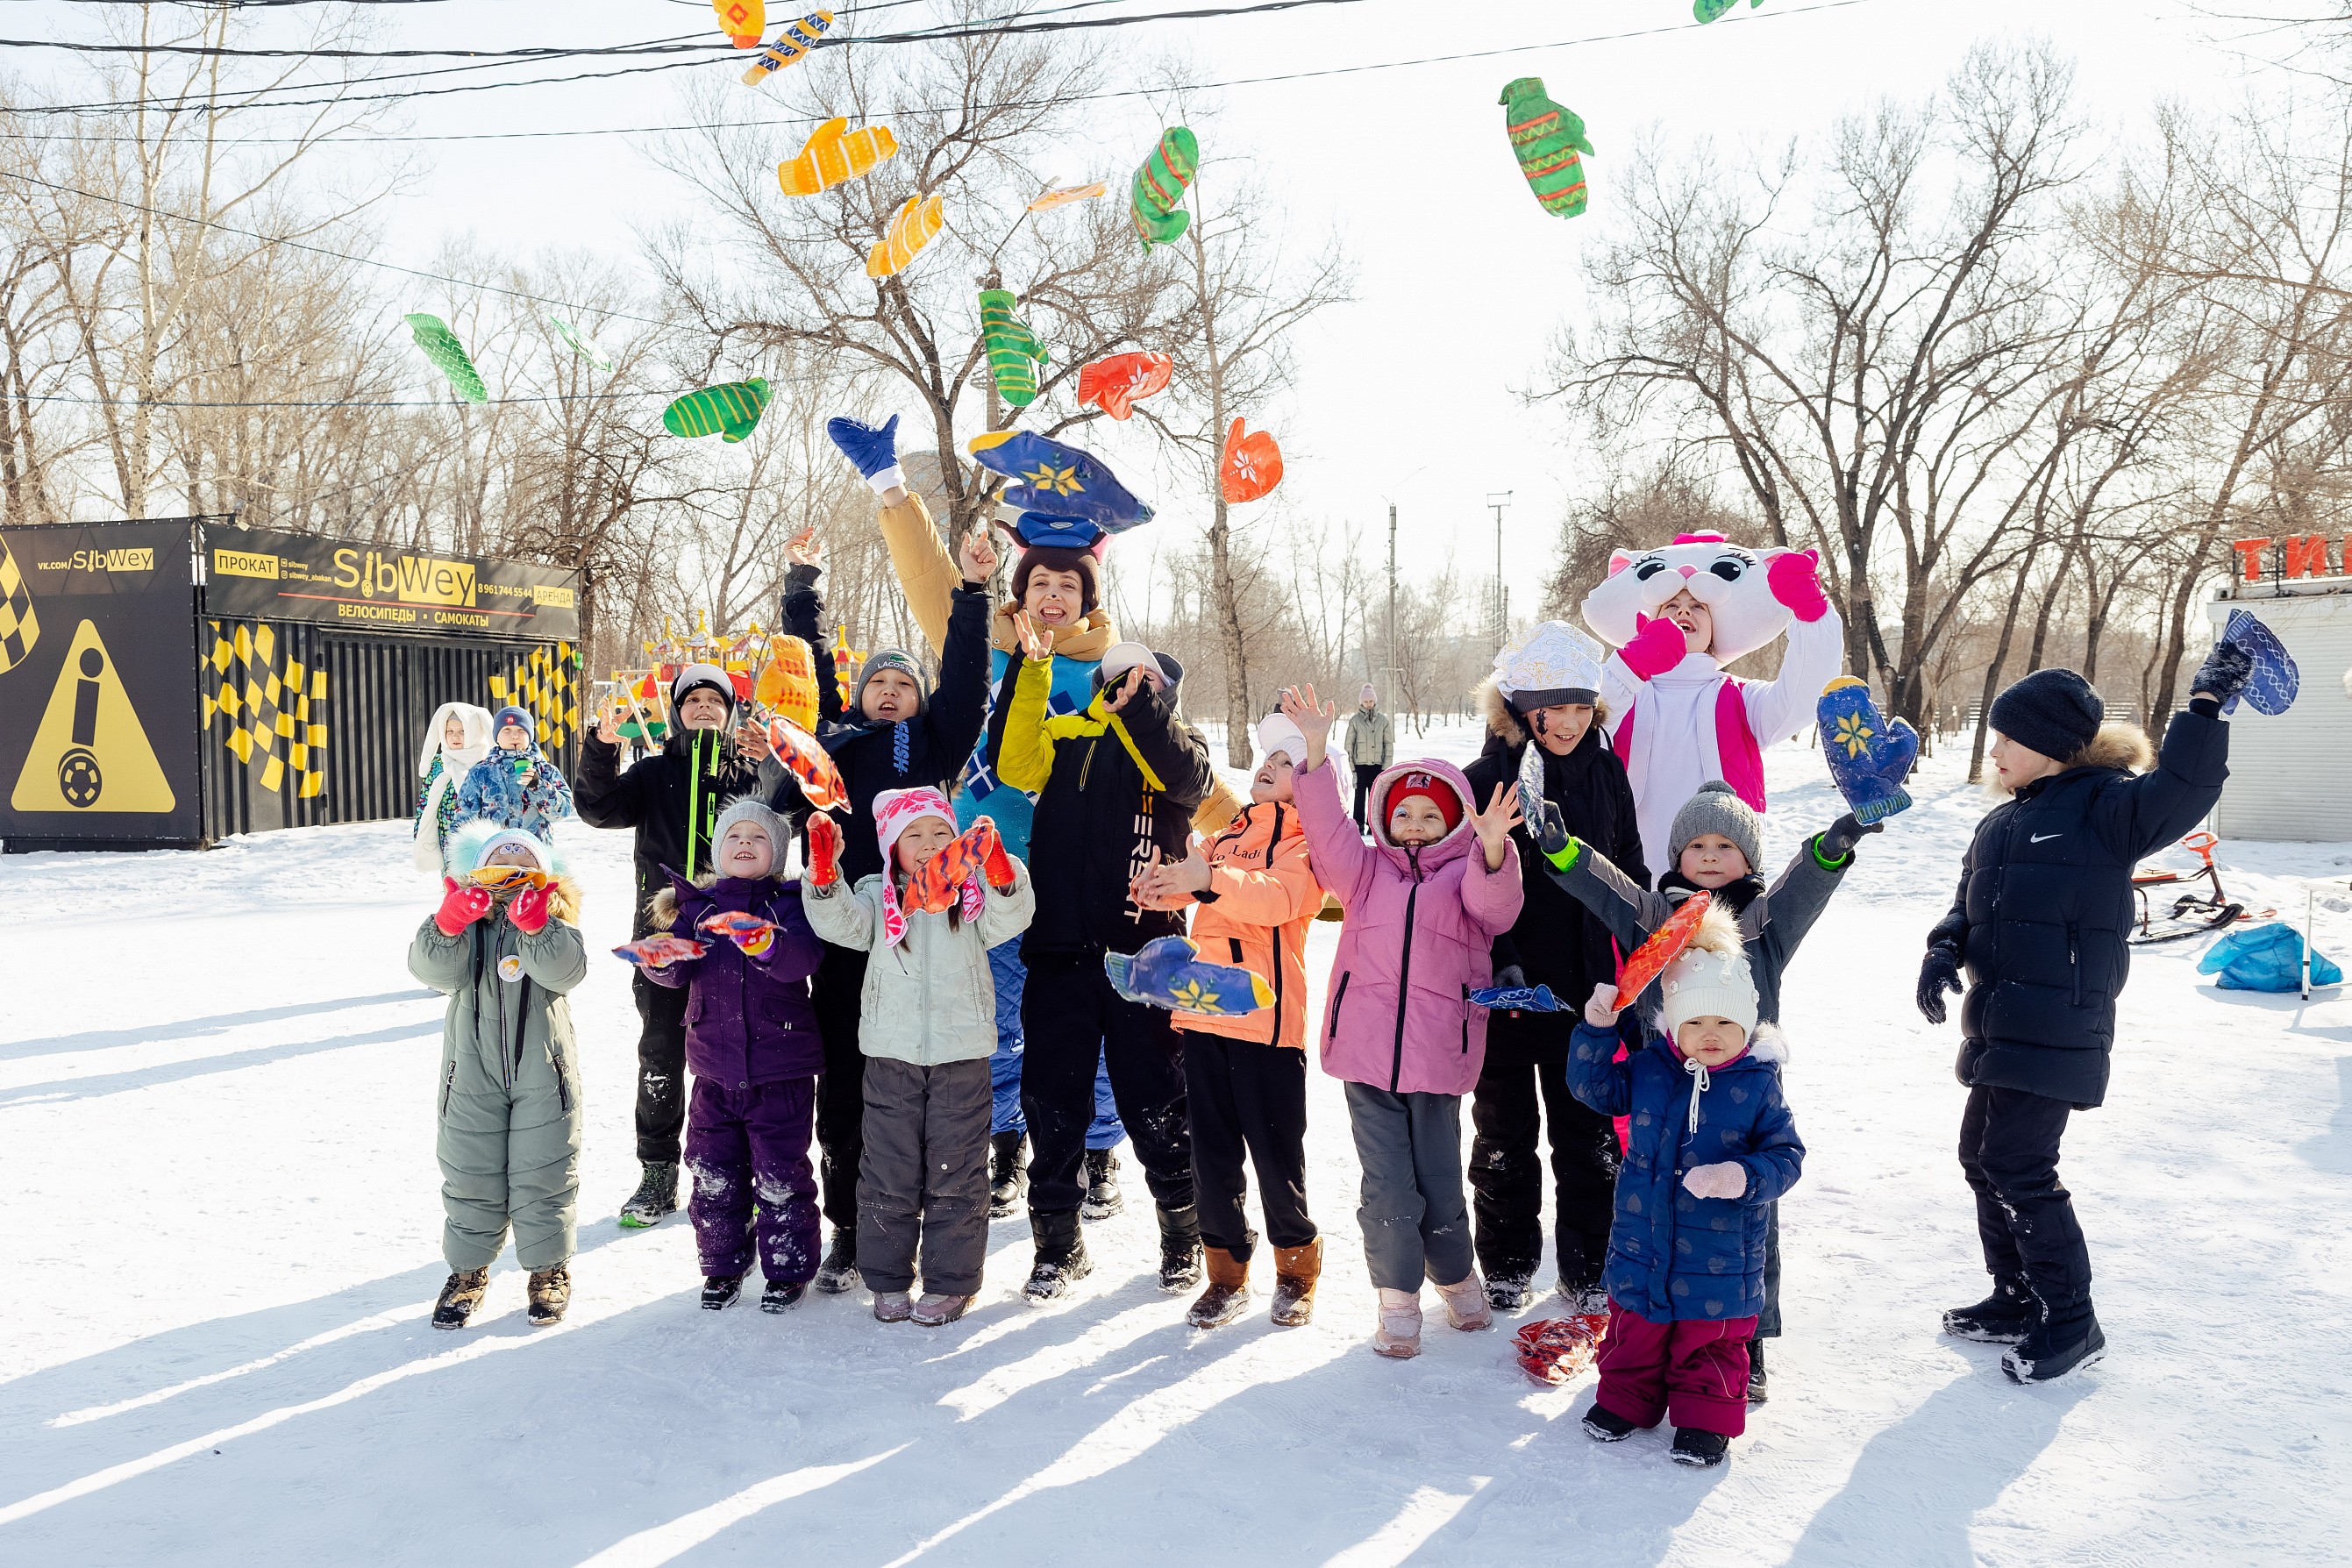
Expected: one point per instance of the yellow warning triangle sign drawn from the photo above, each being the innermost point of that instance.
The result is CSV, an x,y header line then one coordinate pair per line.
x,y
90,753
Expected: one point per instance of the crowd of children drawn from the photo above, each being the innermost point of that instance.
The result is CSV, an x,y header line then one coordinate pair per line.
x,y
1043,806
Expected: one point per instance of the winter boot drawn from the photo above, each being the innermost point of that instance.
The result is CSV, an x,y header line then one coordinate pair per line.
x,y
1295,1270
1399,1334
551,1293
1061,1260
1757,1390
2056,1347
2003,1318
1180,1250
1607,1427
838,1272
656,1195
1228,1294
719,1291
1103,1196
893,1305
1008,1181
459,1296
937,1309
779,1295
1693,1446
1583,1301
1508,1290
1465,1304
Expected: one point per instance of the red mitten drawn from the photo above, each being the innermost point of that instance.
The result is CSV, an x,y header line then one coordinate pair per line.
x,y
461,905
1656,649
825,850
994,863
1795,580
528,910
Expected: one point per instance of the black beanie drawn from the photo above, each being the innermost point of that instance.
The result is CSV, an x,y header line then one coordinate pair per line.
x,y
2055,711
1058,558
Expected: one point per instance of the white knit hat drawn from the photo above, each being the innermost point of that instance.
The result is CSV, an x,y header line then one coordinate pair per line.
x,y
1704,984
1275,733
1549,663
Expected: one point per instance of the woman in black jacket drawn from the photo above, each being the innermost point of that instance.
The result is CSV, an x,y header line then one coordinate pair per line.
x,y
1556,943
2041,923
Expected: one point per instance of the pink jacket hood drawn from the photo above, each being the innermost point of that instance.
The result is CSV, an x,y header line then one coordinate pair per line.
x,y
1419,925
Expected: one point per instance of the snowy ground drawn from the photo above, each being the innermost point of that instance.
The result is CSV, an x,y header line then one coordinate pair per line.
x,y
216,1143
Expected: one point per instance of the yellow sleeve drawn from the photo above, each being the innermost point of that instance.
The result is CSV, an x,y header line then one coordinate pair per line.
x,y
1026,759
928,575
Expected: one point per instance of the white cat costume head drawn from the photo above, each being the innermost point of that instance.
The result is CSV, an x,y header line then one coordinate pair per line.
x,y
1728,579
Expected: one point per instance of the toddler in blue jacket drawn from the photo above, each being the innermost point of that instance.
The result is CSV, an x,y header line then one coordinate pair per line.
x,y
1710,1146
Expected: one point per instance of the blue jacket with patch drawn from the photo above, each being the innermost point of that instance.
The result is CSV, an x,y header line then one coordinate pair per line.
x,y
1670,1255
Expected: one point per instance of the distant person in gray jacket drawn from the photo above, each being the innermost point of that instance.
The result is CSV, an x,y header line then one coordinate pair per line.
x,y
1372,743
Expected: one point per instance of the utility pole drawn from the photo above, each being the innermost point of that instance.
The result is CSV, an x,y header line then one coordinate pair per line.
x,y
1499,500
1392,648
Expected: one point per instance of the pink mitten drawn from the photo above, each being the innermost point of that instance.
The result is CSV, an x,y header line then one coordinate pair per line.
x,y
1656,649
1795,580
1726,1179
461,906
529,911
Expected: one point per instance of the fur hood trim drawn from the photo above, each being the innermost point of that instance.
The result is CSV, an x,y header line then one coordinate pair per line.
x,y
1495,710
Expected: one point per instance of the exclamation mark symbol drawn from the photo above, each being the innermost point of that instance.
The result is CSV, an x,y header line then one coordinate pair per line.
x,y
78,775
85,725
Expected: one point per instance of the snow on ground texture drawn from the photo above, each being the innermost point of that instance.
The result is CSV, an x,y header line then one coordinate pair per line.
x,y
216,1140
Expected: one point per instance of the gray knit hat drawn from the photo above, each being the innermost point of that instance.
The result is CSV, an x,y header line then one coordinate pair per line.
x,y
751,809
899,659
1717,809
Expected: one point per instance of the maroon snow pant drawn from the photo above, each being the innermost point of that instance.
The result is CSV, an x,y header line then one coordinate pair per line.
x,y
748,1149
1696,1372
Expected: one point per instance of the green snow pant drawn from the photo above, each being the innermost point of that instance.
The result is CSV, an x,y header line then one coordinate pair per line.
x,y
510,1155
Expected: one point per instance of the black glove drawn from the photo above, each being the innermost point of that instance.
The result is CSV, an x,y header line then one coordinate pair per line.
x,y
1843,834
1939,972
1551,836
1510,977
2224,672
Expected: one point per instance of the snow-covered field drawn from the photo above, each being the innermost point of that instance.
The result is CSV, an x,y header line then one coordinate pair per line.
x,y
223,1219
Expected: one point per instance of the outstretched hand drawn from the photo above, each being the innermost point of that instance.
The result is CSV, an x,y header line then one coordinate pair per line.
x,y
1036,646
1135,680
976,554
1313,721
1494,824
1601,1009
1161,885
805,549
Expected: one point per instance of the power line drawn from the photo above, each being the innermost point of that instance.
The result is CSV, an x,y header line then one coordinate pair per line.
x,y
422,403
678,45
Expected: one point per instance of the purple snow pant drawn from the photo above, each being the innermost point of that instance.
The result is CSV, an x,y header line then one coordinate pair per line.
x,y
750,1147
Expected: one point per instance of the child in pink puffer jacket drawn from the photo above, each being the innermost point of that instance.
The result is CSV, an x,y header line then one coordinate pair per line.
x,y
1424,901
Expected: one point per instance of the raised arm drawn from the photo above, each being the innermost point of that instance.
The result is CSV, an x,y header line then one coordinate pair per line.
x,y
959,707
602,795
1781,707
2138,816
1598,1079
842,916
1171,748
1024,752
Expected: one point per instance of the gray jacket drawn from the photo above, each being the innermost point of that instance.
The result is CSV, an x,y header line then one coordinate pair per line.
x,y
1371,739
932,998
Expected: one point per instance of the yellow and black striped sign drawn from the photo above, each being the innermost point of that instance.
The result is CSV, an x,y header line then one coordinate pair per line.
x,y
544,681
273,714
20,628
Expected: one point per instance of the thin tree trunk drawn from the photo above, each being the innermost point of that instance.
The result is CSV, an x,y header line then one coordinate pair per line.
x,y
1992,670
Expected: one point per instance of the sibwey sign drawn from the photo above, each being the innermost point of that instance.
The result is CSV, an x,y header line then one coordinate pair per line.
x,y
252,573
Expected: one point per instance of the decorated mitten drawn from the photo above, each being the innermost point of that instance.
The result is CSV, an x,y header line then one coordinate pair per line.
x,y
461,906
1546,139
1869,757
939,884
1708,10
1251,466
1795,580
1118,384
792,45
1058,480
729,411
874,448
1656,649
2271,685
528,910
742,21
1013,351
748,931
1516,999
916,224
823,850
1160,184
833,153
820,779
1167,972
441,346
660,952
787,683
1649,961
1554,1350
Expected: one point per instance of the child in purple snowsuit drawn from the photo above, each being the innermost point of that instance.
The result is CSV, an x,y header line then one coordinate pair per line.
x,y
752,1044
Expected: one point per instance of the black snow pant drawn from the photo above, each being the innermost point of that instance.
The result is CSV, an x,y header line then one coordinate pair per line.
x,y
661,1071
2025,1218
1523,1085
1365,775
841,1087
1073,1019
923,1182
1246,1099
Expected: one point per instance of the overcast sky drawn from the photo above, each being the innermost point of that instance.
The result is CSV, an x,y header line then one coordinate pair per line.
x,y
1410,393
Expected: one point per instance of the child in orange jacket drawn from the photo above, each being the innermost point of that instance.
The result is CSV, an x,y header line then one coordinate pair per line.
x,y
1246,1074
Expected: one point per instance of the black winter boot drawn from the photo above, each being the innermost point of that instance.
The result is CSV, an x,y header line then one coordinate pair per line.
x,y
1607,1425
459,1296
1103,1196
721,1290
838,1272
1693,1446
779,1295
1008,1181
2003,1318
1180,1250
1062,1259
1507,1289
2056,1347
656,1195
1758,1389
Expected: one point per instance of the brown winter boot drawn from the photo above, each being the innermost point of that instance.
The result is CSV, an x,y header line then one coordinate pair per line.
x,y
551,1293
459,1296
1295,1270
1227,1293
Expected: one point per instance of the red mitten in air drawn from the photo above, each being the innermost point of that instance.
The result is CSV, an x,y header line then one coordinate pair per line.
x,y
528,910
1656,649
825,850
461,905
1795,580
994,863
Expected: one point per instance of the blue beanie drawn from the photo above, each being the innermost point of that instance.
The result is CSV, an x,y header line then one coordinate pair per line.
x,y
2055,711
517,715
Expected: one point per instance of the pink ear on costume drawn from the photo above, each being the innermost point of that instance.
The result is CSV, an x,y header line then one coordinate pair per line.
x,y
1618,560
1811,554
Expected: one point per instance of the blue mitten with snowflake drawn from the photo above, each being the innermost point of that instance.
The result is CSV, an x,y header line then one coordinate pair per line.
x,y
1167,972
1058,480
874,449
1869,756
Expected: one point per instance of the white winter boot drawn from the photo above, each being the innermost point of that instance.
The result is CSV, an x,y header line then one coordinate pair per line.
x,y
1466,1303
1399,1334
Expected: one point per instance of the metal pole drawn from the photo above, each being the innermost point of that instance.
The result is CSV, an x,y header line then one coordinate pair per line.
x,y
1392,648
1498,501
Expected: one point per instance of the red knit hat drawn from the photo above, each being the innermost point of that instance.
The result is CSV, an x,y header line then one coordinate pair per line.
x,y
1431,788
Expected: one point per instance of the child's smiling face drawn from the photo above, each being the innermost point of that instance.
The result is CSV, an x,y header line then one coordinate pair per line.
x,y
1272,781
453,732
922,838
1696,621
1711,1042
1416,822
744,851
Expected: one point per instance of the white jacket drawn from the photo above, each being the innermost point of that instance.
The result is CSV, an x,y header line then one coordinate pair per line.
x,y
931,999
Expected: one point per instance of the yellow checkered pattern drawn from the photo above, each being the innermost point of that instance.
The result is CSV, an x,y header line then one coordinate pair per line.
x,y
20,628
267,708
544,681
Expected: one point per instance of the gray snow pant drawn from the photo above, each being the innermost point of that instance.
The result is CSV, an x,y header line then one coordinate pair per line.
x,y
510,1155
922,1180
1415,1218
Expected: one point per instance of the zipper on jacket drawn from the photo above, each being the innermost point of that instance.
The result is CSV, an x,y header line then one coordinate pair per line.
x,y
1404,973
563,1080
1271,846
1465,1020
1337,997
448,1086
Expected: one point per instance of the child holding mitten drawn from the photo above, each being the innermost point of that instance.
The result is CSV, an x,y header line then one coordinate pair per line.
x,y
1711,1144
505,949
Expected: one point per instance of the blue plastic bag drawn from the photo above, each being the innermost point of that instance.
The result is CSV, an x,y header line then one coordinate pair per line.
x,y
2265,958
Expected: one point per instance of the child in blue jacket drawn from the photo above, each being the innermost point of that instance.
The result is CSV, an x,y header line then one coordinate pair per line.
x,y
1711,1145
515,786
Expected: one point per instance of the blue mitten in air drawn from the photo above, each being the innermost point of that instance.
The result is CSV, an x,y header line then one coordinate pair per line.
x,y
1869,757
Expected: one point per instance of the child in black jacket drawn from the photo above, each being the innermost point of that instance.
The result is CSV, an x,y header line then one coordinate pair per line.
x,y
2040,921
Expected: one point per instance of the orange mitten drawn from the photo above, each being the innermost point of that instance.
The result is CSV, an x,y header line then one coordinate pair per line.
x,y
825,850
787,686
994,863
